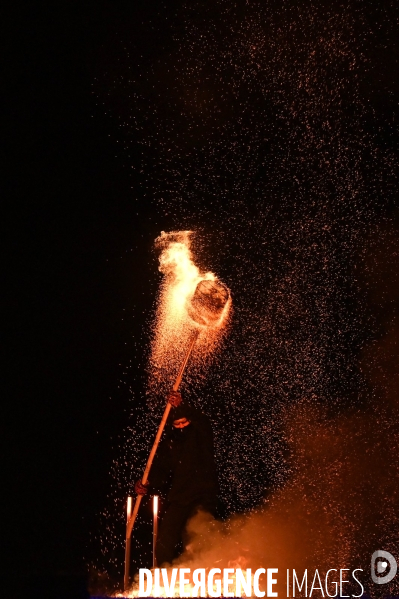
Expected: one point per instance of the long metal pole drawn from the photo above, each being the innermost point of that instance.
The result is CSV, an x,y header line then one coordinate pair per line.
x,y
154,530
161,427
128,516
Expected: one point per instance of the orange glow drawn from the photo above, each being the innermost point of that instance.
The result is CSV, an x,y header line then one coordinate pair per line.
x,y
155,505
129,508
173,325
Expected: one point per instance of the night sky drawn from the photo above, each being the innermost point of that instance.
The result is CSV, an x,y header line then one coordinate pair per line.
x,y
124,119
69,223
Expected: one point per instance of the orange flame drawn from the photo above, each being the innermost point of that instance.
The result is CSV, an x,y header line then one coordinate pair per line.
x,y
173,325
128,508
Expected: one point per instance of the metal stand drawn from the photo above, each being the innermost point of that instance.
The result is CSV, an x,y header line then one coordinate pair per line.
x,y
154,530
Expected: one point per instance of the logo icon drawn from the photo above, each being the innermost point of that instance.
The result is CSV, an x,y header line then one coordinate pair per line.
x,y
380,560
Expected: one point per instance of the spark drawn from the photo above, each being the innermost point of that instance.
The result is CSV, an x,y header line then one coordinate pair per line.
x,y
173,321
268,135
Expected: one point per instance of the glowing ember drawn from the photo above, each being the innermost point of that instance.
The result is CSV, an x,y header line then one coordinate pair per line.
x,y
128,508
206,306
190,300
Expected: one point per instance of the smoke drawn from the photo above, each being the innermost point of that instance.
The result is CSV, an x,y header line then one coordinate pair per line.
x,y
341,501
339,505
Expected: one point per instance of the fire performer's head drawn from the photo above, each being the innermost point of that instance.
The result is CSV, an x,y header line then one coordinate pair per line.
x,y
180,423
181,414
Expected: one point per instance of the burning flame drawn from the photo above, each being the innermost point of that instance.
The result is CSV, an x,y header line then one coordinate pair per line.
x,y
128,508
173,324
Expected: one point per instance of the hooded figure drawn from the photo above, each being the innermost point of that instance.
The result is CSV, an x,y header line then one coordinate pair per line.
x,y
184,467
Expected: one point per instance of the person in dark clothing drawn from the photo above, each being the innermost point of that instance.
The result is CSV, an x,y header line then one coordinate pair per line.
x,y
185,463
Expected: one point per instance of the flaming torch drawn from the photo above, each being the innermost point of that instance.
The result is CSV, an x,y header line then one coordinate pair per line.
x,y
204,302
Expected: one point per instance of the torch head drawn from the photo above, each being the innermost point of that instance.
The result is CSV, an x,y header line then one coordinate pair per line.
x,y
208,302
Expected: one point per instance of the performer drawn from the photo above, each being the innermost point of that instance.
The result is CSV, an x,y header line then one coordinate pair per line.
x,y
185,463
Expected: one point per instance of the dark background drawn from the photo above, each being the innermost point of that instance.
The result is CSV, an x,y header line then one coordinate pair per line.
x,y
80,270
77,253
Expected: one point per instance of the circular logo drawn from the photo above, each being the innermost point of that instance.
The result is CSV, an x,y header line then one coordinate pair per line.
x,y
381,566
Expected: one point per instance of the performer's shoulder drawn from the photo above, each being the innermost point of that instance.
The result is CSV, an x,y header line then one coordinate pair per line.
x,y
204,421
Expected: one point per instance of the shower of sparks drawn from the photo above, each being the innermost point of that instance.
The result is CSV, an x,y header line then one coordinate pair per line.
x,y
173,323
268,133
